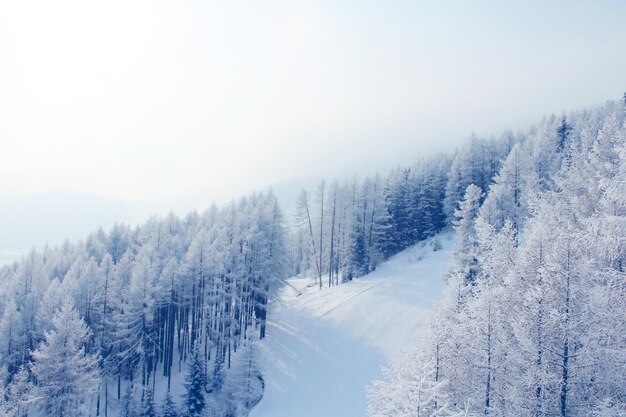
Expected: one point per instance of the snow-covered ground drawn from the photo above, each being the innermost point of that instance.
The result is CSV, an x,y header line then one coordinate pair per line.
x,y
323,347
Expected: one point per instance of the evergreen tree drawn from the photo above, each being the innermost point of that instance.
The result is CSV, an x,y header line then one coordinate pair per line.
x,y
66,376
563,133
467,242
508,195
148,404
539,329
357,264
19,394
410,389
4,404
168,409
195,383
11,338
127,404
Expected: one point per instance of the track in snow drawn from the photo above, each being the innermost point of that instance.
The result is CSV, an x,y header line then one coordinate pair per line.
x,y
323,347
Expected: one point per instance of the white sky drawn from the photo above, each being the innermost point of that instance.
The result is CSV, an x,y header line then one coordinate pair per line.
x,y
149,99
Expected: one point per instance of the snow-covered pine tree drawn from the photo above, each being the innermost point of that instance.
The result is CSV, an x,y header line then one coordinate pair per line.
x,y
19,394
507,198
128,406
168,409
356,262
147,409
11,338
195,383
563,133
540,331
466,254
410,389
66,376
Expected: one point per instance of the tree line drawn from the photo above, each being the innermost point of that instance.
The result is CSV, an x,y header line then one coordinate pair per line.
x,y
344,230
138,301
136,307
533,321
95,328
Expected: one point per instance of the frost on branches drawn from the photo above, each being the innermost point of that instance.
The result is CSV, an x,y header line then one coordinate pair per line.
x,y
533,322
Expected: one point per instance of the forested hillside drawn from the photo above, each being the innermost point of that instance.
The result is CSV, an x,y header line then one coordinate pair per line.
x,y
347,229
164,319
95,328
534,320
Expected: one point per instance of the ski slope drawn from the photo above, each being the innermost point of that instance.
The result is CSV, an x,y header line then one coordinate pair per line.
x,y
323,347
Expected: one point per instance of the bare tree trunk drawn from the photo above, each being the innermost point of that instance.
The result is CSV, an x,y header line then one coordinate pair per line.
x,y
321,193
488,382
565,374
306,213
332,241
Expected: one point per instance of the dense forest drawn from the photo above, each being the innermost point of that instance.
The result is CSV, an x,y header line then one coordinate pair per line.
x,y
189,296
164,319
96,328
534,318
348,228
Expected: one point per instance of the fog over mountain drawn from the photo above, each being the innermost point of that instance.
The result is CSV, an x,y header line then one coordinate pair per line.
x,y
321,208
54,216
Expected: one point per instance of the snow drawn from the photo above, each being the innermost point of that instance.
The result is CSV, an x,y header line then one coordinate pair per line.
x,y
323,347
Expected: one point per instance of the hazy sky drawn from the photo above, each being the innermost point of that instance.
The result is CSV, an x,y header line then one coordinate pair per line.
x,y
148,99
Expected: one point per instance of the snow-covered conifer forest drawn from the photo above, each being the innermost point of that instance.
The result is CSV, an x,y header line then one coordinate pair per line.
x,y
533,321
170,318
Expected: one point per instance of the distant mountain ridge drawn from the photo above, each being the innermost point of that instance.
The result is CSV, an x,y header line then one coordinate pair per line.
x,y
51,217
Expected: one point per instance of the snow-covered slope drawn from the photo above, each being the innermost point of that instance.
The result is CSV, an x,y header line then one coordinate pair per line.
x,y
324,346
